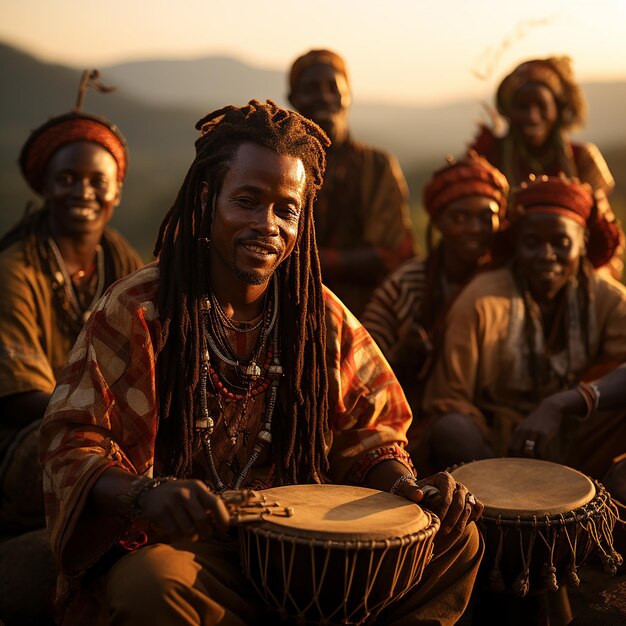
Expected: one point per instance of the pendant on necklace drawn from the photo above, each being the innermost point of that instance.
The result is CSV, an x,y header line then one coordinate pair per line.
x,y
253,370
59,280
275,372
205,423
233,439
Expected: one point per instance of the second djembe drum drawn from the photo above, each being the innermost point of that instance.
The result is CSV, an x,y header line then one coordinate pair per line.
x,y
541,522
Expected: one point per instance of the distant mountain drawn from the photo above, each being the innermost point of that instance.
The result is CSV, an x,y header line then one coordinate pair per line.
x,y
416,134
158,103
208,83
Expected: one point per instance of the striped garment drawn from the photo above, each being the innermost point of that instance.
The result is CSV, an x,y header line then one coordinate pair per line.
x,y
392,315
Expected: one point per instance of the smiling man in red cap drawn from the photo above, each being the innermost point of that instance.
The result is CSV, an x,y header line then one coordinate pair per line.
x,y
54,265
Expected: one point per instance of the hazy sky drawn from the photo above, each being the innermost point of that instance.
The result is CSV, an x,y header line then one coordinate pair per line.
x,y
409,51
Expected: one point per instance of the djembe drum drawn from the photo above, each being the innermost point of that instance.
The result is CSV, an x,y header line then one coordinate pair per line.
x,y
541,522
340,556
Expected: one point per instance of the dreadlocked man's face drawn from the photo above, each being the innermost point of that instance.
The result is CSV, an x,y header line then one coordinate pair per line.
x,y
257,212
548,251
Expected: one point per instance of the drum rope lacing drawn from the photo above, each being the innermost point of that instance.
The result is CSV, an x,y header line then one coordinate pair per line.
x,y
415,552
349,581
596,518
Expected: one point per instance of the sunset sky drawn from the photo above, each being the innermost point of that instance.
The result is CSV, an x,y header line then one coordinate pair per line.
x,y
405,51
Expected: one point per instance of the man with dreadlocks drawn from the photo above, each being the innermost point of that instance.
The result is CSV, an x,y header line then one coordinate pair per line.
x,y
54,265
362,221
225,364
525,343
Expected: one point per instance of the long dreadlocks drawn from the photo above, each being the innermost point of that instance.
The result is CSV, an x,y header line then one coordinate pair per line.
x,y
298,443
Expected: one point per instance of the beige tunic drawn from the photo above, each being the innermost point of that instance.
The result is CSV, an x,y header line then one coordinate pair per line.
x,y
483,370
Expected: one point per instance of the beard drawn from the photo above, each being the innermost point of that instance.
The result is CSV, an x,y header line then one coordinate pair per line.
x,y
253,276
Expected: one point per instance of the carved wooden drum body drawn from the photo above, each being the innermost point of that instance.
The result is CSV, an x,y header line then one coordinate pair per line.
x,y
541,522
342,555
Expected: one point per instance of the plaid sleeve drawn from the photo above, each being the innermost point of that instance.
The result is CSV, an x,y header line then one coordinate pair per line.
x,y
367,407
102,413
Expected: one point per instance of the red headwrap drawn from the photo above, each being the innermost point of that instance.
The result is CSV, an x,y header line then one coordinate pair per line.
x,y
314,57
472,175
65,129
559,195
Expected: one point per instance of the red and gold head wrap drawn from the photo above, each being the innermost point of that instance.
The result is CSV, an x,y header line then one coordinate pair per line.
x,y
559,195
557,75
65,129
315,57
556,195
472,175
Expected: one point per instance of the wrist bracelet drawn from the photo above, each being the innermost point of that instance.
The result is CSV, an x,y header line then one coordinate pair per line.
x,y
131,498
153,483
138,528
369,460
591,395
399,482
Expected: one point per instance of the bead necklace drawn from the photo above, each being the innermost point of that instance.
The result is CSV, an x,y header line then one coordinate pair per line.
x,y
232,324
205,424
259,384
62,277
218,340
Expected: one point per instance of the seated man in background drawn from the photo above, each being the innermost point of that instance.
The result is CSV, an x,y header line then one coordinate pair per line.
x,y
465,201
224,365
523,367
54,266
362,221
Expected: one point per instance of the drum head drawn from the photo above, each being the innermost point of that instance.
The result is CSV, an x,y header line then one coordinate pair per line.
x,y
513,487
342,512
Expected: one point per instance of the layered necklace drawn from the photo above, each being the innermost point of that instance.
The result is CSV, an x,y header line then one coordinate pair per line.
x,y
255,375
62,277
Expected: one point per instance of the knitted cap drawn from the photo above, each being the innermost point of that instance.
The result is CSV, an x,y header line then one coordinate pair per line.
x,y
559,195
472,175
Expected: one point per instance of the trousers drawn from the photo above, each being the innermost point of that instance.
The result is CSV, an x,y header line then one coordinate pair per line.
x,y
202,584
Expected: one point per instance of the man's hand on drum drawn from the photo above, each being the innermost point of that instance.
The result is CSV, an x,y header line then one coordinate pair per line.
x,y
539,427
453,504
182,509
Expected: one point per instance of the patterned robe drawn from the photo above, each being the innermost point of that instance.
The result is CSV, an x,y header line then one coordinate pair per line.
x,y
104,412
